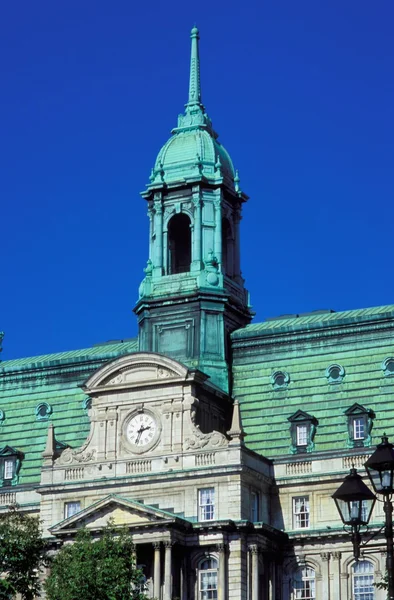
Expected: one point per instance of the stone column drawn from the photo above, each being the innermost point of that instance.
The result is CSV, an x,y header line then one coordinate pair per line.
x,y
336,574
156,571
158,262
237,243
167,570
196,232
344,583
254,551
272,581
222,572
325,557
218,231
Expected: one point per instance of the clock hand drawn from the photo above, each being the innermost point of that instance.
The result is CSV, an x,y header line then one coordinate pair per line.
x,y
141,429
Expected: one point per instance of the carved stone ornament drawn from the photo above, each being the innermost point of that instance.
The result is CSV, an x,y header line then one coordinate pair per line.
x,y
69,456
215,439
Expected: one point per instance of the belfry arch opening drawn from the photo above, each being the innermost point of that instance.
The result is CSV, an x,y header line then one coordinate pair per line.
x,y
179,244
227,249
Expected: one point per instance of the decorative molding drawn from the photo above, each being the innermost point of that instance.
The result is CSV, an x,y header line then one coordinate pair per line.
x,y
138,466
74,474
215,439
205,459
299,468
357,461
69,456
281,338
8,498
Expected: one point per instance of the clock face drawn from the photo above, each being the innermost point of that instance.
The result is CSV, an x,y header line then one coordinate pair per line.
x,y
141,429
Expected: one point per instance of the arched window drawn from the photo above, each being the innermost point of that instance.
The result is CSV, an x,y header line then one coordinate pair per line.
x,y
179,244
304,584
363,581
227,249
208,579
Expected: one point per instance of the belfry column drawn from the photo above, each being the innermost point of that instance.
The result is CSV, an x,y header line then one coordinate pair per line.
x,y
156,571
196,258
237,252
167,570
158,262
218,230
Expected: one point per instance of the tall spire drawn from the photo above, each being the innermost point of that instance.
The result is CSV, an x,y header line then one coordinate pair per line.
x,y
194,83
195,116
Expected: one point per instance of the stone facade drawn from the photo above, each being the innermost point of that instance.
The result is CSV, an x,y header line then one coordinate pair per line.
x,y
217,442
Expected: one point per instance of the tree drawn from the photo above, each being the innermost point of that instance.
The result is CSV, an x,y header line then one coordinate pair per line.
x,y
22,551
102,569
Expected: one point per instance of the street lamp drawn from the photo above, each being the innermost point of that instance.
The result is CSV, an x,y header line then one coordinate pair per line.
x,y
355,502
380,469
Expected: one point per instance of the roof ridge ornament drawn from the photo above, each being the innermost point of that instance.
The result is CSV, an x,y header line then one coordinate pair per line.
x,y
194,80
195,116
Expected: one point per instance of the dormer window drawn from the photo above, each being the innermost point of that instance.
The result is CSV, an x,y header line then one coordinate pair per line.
x,y
302,431
360,422
10,462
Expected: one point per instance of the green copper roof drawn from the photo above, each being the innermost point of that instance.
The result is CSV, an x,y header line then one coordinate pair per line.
x,y
303,348
53,379
314,320
193,150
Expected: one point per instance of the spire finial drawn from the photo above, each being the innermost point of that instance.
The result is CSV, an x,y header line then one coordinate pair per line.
x,y
194,83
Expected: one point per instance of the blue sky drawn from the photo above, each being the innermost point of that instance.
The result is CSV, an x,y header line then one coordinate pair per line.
x,y
302,95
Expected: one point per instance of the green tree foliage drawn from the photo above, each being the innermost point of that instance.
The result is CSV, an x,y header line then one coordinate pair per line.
x,y
22,552
102,569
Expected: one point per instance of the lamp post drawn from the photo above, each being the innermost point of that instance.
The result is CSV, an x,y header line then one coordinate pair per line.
x,y
380,469
355,501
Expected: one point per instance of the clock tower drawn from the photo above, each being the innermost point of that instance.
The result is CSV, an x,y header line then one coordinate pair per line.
x,y
193,294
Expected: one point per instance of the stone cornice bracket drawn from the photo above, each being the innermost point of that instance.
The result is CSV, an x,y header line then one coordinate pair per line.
x,y
254,549
325,556
236,433
336,555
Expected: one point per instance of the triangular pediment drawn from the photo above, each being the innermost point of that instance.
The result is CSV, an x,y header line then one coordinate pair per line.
x,y
120,511
300,416
358,409
9,451
136,369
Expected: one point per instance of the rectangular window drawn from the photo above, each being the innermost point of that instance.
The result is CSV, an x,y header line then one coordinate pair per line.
x,y
71,508
301,512
358,429
255,507
363,581
8,469
206,504
208,585
302,435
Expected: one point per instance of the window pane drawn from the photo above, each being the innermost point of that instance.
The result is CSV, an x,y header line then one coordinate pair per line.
x,y
358,429
304,584
8,469
363,581
71,508
302,435
208,579
206,504
301,512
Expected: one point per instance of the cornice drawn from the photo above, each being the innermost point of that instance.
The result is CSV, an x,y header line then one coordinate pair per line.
x,y
281,338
